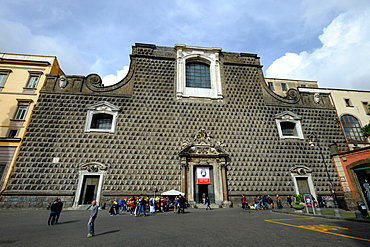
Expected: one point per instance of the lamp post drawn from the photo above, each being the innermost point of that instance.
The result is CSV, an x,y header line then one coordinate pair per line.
x,y
312,139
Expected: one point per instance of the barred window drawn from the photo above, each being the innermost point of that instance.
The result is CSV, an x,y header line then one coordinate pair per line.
x,y
352,128
198,75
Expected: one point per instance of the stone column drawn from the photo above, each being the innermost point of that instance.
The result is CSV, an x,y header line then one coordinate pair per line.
x,y
224,181
184,166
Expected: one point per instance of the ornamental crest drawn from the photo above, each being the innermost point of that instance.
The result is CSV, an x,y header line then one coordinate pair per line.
x,y
93,167
202,144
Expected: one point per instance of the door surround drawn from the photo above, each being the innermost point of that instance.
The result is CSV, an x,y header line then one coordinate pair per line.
x,y
91,169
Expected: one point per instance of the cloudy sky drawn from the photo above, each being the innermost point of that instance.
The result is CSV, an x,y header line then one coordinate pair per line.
x,y
323,40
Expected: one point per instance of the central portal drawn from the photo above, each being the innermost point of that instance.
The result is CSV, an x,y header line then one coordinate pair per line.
x,y
204,188
204,163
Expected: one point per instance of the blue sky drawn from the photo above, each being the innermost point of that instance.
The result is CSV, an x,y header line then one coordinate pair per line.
x,y
327,41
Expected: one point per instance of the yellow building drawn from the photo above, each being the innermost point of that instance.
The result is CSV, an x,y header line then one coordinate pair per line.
x,y
281,86
21,78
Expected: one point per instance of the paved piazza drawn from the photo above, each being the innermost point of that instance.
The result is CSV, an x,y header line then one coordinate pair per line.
x,y
197,227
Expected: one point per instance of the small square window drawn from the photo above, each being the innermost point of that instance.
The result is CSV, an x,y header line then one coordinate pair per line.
x,y
348,102
284,87
288,129
271,86
102,121
33,81
303,85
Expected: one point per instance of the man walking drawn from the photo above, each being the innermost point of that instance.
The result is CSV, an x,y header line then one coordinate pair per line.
x,y
59,209
93,215
244,202
142,207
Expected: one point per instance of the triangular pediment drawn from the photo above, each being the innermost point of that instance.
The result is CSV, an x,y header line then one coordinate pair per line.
x,y
103,106
287,115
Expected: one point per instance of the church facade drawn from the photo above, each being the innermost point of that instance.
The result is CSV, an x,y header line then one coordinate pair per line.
x,y
194,119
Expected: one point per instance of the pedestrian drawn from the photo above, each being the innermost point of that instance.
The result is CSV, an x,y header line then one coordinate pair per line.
x,y
270,202
278,202
132,206
152,205
181,206
320,201
142,207
208,204
176,204
204,198
244,202
93,215
289,201
257,203
58,210
53,212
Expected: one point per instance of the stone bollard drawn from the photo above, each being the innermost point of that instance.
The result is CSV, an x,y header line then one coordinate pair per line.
x,y
318,211
358,214
336,212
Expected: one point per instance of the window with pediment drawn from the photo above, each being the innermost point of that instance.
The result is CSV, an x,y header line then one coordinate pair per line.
x,y
289,125
101,117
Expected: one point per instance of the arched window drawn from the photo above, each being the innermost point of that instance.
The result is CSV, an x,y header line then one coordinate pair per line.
x,y
352,128
198,75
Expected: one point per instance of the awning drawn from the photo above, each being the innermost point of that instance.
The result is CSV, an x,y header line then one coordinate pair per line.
x,y
172,193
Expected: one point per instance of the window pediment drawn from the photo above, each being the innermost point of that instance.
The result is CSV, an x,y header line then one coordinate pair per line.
x,y
289,125
101,117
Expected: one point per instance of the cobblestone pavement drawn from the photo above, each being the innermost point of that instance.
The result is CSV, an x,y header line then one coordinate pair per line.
x,y
197,227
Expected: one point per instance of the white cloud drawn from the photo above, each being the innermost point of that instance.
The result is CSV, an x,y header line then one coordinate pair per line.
x,y
18,38
341,62
113,79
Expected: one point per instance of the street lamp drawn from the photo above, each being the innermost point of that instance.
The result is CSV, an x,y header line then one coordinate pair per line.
x,y
312,139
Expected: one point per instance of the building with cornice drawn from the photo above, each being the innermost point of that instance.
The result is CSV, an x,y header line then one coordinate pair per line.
x,y
194,119
21,78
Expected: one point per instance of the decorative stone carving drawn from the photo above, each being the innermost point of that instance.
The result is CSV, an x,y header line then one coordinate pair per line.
x,y
202,144
300,170
63,81
316,98
93,167
93,80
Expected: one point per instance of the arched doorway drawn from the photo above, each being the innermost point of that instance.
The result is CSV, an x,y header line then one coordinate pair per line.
x,y
362,175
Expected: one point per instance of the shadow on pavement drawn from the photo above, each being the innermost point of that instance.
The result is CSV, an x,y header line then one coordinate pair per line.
x,y
103,233
66,222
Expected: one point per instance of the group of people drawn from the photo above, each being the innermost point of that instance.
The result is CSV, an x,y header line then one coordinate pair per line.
x,y
262,203
55,209
138,206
